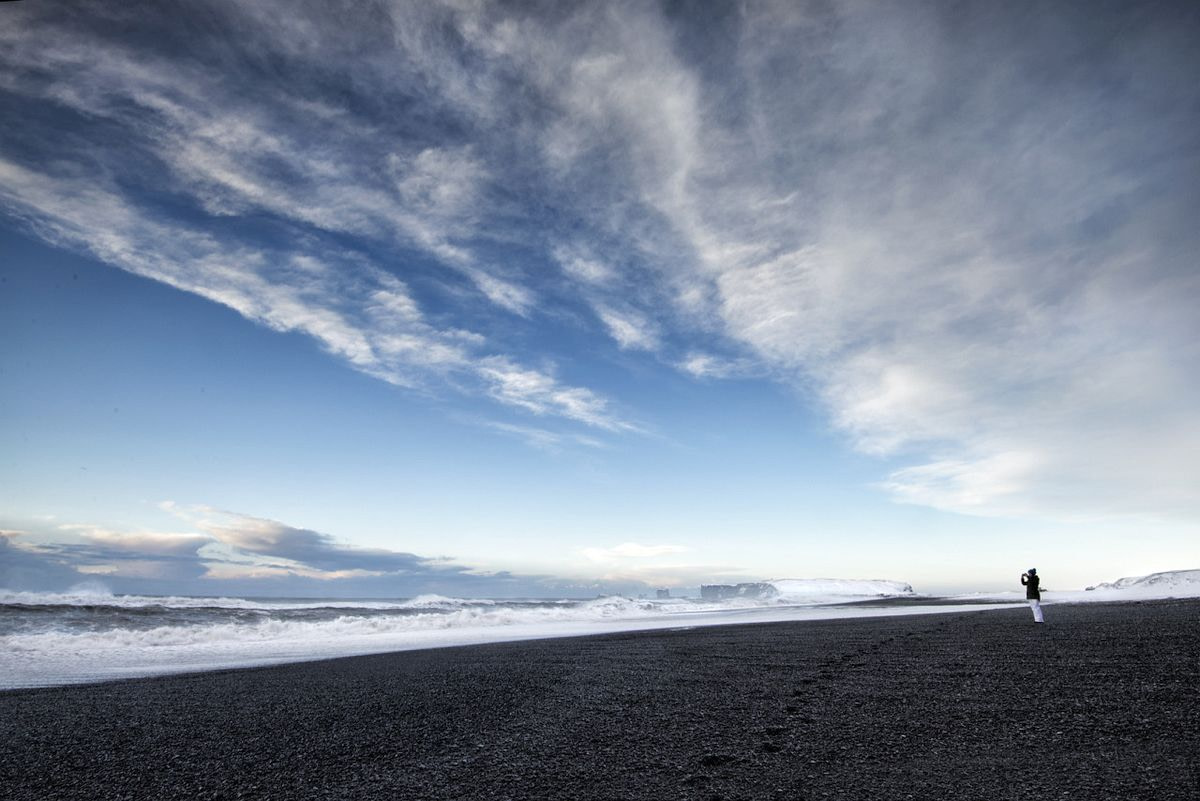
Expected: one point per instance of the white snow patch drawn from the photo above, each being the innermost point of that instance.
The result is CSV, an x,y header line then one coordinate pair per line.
x,y
1168,584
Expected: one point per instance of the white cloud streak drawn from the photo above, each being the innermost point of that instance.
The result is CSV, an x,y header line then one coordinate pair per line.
x,y
997,289
541,394
150,543
544,439
630,329
632,550
969,233
705,365
225,152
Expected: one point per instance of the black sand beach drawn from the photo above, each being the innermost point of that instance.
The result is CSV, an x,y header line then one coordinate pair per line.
x,y
1101,703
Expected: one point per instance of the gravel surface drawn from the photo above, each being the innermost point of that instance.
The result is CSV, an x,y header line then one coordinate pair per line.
x,y
1100,703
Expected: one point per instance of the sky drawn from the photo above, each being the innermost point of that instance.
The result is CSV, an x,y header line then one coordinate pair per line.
x,y
546,299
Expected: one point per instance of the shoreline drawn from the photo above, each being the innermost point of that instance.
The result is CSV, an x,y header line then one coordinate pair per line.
x,y
889,608
20,669
1101,702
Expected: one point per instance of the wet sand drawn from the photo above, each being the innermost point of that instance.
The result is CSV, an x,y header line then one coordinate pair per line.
x,y
1103,702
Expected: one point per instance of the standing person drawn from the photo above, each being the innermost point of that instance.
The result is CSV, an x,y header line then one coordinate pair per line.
x,y
1031,580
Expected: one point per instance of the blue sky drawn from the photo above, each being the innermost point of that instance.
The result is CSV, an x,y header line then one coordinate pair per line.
x,y
528,299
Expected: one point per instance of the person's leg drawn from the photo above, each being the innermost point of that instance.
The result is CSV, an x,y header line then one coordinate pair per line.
x,y
1036,606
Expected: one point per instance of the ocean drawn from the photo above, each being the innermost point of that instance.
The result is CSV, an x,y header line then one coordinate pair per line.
x,y
88,635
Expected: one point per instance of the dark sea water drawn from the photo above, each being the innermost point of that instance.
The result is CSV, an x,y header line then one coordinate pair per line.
x,y
48,639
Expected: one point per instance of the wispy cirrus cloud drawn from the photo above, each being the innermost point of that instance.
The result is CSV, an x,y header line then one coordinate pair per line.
x,y
706,365
356,310
237,152
968,233
541,394
543,438
993,288
630,329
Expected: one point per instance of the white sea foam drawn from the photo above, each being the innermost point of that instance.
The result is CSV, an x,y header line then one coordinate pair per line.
x,y
75,597
88,634
789,591
57,657
339,628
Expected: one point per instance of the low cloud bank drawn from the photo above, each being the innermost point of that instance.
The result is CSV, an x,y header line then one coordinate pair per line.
x,y
233,554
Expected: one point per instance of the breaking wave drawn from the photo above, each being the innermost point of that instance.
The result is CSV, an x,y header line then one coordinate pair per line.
x,y
88,633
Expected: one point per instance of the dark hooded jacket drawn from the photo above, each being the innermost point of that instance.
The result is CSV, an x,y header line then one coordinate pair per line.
x,y
1031,582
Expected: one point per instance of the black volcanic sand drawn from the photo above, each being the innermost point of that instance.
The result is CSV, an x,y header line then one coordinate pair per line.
x,y
1100,703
